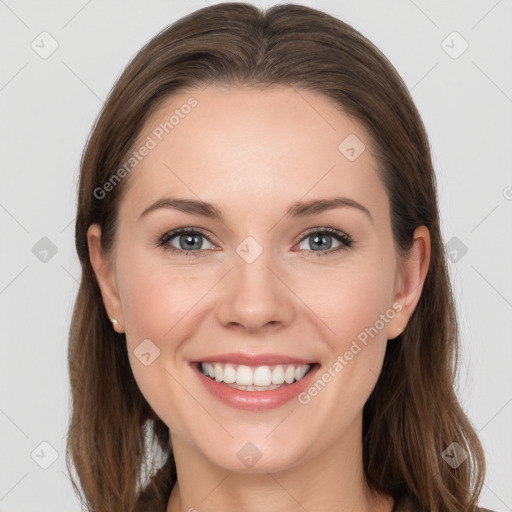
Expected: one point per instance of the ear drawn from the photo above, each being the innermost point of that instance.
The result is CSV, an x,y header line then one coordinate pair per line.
x,y
103,269
410,279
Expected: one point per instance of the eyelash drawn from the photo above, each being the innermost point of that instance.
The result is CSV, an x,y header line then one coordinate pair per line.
x,y
345,241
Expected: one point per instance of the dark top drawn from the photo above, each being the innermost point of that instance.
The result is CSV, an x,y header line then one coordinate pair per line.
x,y
405,504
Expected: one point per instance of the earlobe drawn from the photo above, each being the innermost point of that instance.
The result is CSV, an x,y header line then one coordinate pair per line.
x,y
413,273
102,266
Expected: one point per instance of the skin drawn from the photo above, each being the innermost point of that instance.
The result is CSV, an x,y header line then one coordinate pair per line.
x,y
252,153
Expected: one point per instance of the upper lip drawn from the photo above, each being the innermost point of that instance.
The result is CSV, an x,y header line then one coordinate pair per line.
x,y
253,359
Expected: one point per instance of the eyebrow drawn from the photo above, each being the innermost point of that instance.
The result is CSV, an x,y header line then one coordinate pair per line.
x,y
297,209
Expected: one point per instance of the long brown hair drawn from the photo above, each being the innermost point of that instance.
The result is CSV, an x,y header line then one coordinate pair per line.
x,y
413,413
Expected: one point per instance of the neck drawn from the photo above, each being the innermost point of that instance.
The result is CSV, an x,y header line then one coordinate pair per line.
x,y
330,480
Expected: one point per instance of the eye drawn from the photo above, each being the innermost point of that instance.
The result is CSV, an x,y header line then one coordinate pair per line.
x,y
192,242
322,241
185,241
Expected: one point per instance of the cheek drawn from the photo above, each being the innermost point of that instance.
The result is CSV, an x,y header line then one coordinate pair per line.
x,y
348,299
157,303
355,334
156,296
354,304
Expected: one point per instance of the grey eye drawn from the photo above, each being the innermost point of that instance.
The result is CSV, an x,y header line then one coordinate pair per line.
x,y
189,241
319,241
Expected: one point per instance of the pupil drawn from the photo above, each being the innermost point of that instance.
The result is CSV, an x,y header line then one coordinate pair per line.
x,y
190,242
320,239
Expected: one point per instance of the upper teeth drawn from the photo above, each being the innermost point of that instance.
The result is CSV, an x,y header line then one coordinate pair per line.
x,y
257,376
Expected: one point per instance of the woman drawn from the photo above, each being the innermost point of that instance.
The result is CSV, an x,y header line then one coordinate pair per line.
x,y
264,288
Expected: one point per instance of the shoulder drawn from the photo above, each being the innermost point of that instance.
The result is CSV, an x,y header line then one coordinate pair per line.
x,y
407,504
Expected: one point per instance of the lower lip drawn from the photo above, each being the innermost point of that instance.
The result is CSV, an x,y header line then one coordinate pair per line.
x,y
256,400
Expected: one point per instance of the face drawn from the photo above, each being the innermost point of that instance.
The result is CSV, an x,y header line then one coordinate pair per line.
x,y
278,283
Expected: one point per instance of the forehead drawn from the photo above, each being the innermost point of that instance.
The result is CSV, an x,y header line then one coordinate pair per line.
x,y
250,149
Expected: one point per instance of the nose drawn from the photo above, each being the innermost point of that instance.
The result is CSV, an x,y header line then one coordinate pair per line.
x,y
255,297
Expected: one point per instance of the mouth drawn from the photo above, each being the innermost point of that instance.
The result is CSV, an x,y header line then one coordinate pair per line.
x,y
255,387
251,378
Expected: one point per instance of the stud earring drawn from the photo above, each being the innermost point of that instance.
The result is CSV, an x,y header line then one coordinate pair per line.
x,y
116,326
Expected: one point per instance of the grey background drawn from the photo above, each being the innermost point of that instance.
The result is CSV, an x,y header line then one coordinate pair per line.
x,y
48,106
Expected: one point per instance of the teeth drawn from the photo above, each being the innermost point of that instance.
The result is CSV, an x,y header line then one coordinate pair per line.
x,y
261,378
289,374
244,376
217,369
278,375
229,375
